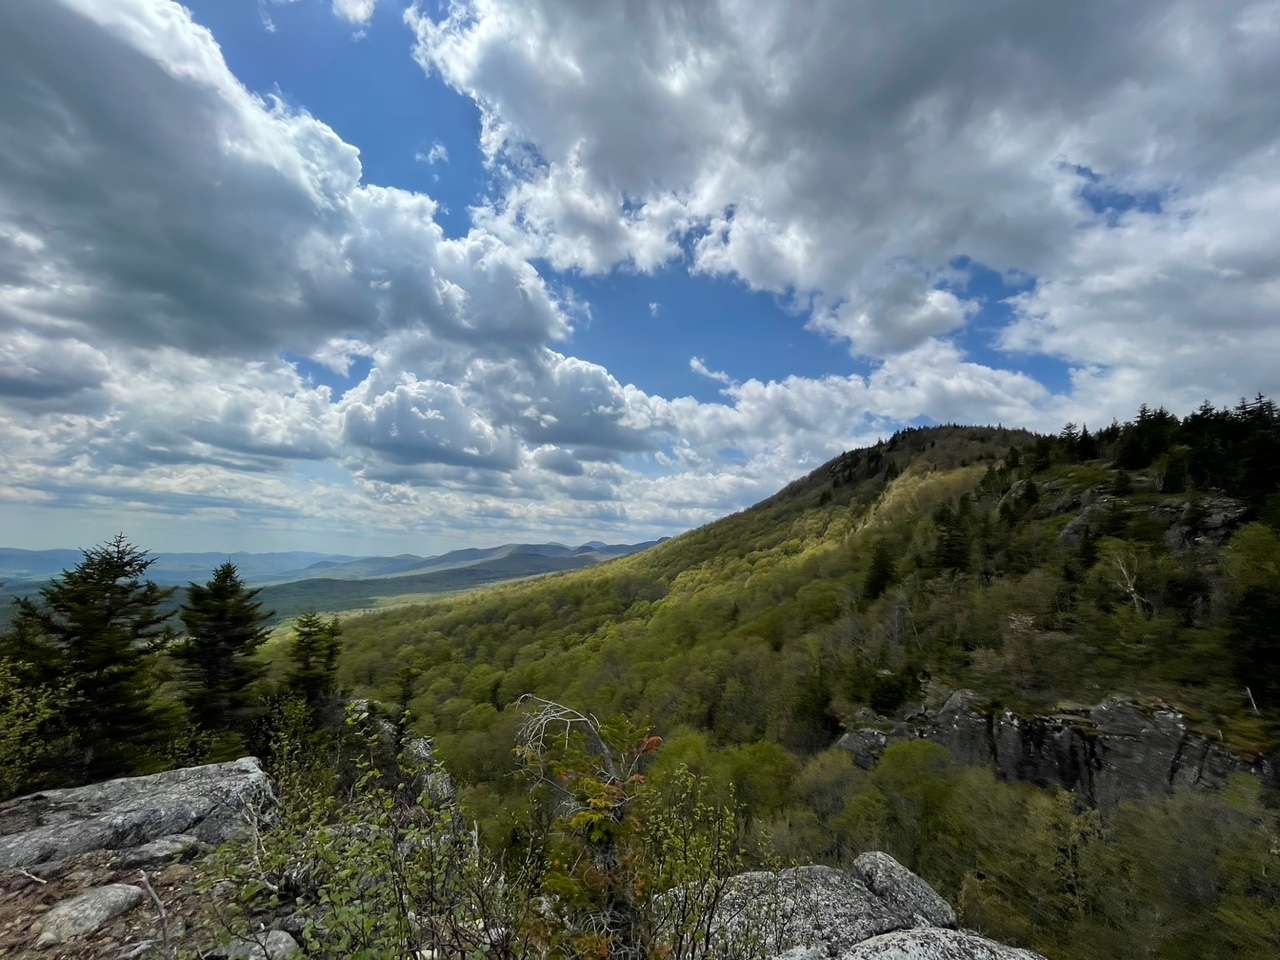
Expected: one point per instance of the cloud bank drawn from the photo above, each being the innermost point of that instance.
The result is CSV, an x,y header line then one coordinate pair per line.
x,y
167,237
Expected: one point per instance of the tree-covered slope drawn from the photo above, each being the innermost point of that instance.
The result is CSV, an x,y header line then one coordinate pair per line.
x,y
1036,570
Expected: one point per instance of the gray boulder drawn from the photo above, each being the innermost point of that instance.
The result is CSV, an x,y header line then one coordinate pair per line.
x,y
879,909
903,890
1090,518
86,912
206,802
431,778
867,745
267,945
934,944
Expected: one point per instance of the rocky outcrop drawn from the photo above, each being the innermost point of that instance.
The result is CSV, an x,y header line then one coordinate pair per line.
x,y
1115,751
878,909
1209,521
903,890
1203,521
205,804
936,945
866,744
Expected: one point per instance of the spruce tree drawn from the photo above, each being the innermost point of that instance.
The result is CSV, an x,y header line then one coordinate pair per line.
x,y
314,650
94,630
225,626
880,573
1086,445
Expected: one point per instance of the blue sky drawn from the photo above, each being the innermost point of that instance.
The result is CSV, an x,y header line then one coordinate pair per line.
x,y
370,91
371,275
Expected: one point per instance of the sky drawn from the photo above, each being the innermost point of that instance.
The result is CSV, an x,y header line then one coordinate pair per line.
x,y
374,276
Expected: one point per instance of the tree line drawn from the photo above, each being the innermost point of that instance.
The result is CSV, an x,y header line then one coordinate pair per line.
x,y
97,680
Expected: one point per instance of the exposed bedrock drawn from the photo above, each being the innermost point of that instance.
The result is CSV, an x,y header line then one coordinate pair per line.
x,y
1115,751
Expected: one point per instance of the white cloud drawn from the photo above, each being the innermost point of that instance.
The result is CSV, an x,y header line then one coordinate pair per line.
x,y
698,366
354,11
846,157
425,421
437,154
654,308
166,235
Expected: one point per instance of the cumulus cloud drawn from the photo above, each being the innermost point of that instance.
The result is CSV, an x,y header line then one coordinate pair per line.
x,y
847,156
425,421
151,192
167,236
354,11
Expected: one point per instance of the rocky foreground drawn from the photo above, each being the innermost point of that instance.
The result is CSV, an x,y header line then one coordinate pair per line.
x,y
90,872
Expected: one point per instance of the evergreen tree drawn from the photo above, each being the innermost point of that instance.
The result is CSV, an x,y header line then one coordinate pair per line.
x,y
314,650
1255,644
1174,477
1041,457
880,573
1069,439
953,547
94,630
1086,445
225,627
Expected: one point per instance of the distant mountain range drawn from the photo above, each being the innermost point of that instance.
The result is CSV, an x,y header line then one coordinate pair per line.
x,y
295,581
169,568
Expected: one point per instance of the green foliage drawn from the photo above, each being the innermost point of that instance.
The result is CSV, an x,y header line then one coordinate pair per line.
x,y
313,652
752,640
1255,644
95,629
386,867
774,624
1192,875
879,573
26,712
225,626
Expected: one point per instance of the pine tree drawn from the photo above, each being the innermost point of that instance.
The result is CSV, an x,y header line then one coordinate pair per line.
x,y
95,629
225,626
880,573
314,650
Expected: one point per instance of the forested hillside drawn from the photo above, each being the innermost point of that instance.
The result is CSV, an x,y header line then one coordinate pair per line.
x,y
1138,559
1042,573
1142,559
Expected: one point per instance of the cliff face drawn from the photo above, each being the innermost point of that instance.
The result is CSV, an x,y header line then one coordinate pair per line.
x,y
1107,754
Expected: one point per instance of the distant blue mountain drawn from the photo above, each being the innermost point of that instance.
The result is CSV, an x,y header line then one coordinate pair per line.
x,y
169,568
295,581
32,566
